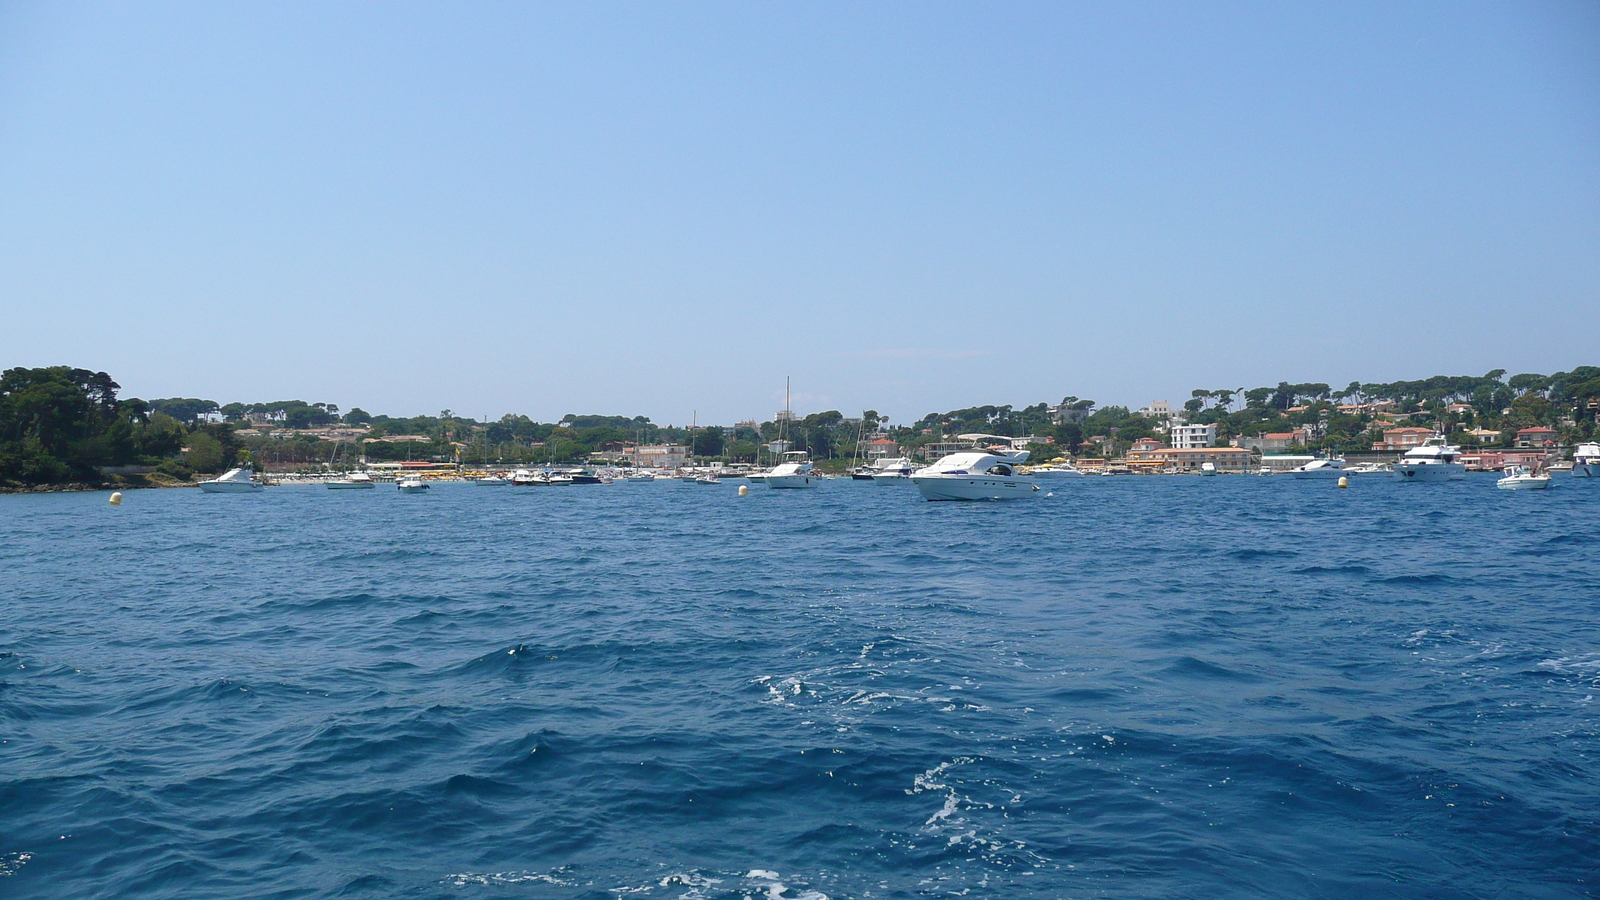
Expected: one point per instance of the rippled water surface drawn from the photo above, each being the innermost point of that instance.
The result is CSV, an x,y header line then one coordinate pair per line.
x,y
1137,687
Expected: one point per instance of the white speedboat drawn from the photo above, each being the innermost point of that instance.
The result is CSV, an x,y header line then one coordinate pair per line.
x,y
1518,478
1264,470
1435,460
708,479
794,472
1586,461
1056,470
355,481
491,481
1322,468
527,478
233,481
1371,469
411,484
1207,468
975,476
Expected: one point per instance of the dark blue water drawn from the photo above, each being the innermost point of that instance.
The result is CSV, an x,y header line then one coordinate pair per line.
x,y
1139,687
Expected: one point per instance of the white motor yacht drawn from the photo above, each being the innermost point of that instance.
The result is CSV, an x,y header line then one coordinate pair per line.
x,y
491,481
1057,469
411,484
1208,468
233,481
891,471
1322,468
975,476
1370,469
1586,461
1518,478
527,478
1435,460
794,472
355,481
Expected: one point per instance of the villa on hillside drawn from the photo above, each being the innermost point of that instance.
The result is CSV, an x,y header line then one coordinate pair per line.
x,y
1276,441
1402,439
1537,436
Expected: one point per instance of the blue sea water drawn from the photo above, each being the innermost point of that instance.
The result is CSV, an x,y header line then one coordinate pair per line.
x,y
1136,687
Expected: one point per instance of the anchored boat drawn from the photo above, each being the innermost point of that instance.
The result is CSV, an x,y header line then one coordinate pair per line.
x,y
975,476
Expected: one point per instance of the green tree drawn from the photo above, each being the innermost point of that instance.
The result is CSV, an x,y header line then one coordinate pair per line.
x,y
707,442
205,453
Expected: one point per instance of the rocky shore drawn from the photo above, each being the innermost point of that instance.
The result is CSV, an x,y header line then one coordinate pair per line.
x,y
129,483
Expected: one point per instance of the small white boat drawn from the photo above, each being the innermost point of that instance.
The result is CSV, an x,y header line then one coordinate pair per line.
x,y
1371,469
411,484
527,478
1435,460
708,479
233,481
1321,468
896,467
355,481
1056,470
1518,478
975,476
1207,468
1264,470
1586,461
794,472
491,481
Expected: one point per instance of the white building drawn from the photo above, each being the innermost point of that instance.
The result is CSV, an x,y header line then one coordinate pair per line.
x,y
1162,413
662,456
1192,437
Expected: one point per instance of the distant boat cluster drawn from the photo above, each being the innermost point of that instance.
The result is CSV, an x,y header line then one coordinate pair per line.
x,y
993,474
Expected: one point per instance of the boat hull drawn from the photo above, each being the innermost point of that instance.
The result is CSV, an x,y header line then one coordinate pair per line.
x,y
1321,474
350,486
973,487
1523,484
792,481
413,488
1586,470
1429,472
230,487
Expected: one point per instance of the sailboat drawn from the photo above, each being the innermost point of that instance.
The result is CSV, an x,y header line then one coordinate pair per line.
x,y
489,479
795,470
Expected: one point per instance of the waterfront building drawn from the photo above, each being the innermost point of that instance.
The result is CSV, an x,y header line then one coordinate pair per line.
x,y
1496,460
1234,460
1283,462
1190,437
662,456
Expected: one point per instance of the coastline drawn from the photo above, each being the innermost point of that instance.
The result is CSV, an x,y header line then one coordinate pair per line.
x,y
79,487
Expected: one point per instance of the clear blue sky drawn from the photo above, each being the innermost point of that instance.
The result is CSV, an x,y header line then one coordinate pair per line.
x,y
661,208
